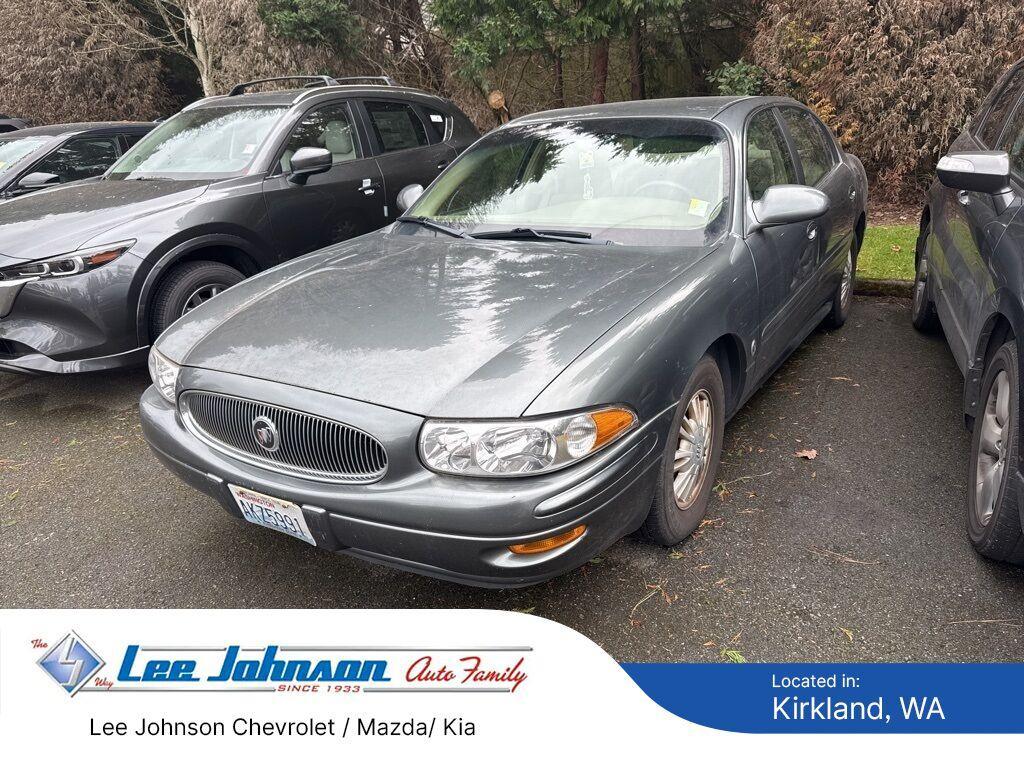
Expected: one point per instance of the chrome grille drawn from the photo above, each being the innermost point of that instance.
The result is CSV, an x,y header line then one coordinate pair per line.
x,y
309,446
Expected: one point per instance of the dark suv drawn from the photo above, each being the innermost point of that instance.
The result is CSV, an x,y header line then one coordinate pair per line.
x,y
92,272
36,158
970,280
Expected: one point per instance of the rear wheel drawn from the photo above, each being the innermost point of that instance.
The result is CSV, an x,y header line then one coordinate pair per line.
x,y
844,292
922,311
187,286
993,518
691,456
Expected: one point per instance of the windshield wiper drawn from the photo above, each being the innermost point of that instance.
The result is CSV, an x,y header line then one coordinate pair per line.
x,y
423,221
529,233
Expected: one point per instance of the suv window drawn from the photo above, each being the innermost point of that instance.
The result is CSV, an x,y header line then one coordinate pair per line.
x,y
1013,142
809,140
397,126
328,127
80,159
768,159
1001,108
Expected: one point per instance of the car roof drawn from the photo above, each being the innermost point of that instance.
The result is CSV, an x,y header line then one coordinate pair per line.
x,y
699,107
290,96
67,129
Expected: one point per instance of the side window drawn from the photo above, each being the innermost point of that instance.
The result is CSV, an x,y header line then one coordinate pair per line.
x,y
327,127
1002,105
396,125
129,140
437,123
80,158
809,139
768,159
1013,142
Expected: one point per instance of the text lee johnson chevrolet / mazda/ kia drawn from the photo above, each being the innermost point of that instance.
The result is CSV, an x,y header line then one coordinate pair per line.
x,y
538,358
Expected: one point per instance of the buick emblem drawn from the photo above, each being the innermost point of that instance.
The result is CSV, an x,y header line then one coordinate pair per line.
x,y
265,432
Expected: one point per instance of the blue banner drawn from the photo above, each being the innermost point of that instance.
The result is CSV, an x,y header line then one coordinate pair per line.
x,y
840,698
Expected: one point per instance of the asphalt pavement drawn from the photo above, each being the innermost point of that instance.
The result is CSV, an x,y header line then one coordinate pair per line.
x,y
856,554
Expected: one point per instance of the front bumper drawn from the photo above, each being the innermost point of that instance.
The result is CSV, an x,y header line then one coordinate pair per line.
x,y
73,324
452,528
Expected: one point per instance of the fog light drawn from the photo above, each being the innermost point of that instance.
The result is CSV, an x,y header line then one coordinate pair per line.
x,y
551,542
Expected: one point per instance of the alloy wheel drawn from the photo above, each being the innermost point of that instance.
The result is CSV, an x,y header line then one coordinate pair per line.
x,y
920,283
991,462
693,451
846,286
201,295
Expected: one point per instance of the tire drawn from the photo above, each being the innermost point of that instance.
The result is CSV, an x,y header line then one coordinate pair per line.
x,y
922,310
843,297
185,287
670,520
993,518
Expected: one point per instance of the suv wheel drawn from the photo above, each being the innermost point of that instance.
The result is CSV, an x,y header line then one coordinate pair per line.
x,y
922,311
993,518
187,286
690,461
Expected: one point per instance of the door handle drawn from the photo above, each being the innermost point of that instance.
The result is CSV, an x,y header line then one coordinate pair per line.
x,y
964,197
443,164
368,187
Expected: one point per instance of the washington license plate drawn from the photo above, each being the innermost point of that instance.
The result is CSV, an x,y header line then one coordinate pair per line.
x,y
276,514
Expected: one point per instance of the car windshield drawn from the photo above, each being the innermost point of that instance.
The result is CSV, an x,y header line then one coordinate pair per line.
x,y
205,143
13,150
634,181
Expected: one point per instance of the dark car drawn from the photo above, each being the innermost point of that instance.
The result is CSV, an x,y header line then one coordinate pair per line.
x,y
970,281
91,273
8,124
538,358
36,158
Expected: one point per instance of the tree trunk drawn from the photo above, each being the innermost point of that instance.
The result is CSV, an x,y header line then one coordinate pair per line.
x,y
637,84
203,57
559,80
600,71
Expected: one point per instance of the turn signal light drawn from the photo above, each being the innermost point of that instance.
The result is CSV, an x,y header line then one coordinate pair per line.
x,y
610,424
551,542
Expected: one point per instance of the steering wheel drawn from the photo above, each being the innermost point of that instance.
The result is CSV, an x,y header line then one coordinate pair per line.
x,y
664,183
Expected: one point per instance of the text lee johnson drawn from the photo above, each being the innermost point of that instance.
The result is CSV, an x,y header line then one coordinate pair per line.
x,y
247,726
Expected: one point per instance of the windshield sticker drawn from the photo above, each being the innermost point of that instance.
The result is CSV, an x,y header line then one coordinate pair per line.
x,y
699,207
586,159
249,149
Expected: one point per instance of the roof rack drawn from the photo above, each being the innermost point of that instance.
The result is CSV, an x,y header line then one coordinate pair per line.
x,y
314,81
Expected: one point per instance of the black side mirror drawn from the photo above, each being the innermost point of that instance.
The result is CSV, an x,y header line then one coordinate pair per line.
x,y
308,161
39,180
987,172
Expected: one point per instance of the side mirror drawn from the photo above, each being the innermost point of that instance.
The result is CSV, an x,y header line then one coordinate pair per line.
x,y
789,203
308,161
975,172
39,180
407,196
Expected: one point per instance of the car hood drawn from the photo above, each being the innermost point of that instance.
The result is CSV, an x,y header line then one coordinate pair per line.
x,y
432,326
59,220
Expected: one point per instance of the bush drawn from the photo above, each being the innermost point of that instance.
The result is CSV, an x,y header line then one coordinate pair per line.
x,y
738,78
896,79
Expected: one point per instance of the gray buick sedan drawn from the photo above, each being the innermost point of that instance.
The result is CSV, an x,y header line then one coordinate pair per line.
x,y
538,357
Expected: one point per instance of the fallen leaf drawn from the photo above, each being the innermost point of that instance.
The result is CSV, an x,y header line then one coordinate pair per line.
x,y
848,633
807,453
896,249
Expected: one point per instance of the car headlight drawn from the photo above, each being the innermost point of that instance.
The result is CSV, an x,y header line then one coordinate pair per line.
x,y
164,374
67,264
518,447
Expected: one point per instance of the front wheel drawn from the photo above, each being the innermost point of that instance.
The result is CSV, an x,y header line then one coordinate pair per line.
x,y
993,519
690,459
187,286
922,310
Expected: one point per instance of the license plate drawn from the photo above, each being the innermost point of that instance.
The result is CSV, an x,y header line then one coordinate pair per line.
x,y
276,514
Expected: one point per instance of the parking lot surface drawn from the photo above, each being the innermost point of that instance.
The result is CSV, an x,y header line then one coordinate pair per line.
x,y
856,554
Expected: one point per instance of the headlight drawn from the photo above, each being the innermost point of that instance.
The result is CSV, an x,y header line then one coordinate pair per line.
x,y
164,374
518,447
67,264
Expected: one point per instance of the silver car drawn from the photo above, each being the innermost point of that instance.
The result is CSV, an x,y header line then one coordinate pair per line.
x,y
538,358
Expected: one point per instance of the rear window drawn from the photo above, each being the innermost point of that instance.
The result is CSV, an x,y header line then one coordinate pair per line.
x,y
396,125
